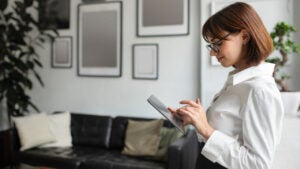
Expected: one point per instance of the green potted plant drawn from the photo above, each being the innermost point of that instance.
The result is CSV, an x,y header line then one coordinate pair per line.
x,y
19,36
283,43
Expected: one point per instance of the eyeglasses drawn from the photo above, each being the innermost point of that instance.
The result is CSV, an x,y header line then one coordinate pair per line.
x,y
216,45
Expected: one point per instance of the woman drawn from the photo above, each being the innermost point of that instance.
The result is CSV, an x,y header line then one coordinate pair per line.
x,y
242,127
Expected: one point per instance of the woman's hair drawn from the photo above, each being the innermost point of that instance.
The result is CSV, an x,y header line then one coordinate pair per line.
x,y
235,18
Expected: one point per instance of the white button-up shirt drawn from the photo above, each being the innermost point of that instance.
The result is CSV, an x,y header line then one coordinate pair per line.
x,y
247,115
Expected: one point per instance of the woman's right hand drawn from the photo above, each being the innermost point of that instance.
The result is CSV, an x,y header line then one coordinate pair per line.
x,y
194,114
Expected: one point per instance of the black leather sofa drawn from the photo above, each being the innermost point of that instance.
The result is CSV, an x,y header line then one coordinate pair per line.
x,y
97,144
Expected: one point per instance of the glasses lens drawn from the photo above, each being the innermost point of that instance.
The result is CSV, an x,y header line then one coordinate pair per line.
x,y
213,47
216,45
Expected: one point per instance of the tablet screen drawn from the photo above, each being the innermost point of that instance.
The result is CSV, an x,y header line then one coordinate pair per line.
x,y
160,107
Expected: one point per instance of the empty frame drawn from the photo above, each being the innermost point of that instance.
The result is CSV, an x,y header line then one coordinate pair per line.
x,y
62,52
162,18
99,39
145,61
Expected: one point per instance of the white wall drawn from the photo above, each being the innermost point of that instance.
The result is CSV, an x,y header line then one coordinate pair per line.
x,y
180,63
178,74
294,81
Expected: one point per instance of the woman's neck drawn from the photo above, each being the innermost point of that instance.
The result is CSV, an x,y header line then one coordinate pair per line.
x,y
241,66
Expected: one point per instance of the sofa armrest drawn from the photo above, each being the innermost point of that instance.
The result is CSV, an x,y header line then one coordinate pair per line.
x,y
9,146
183,153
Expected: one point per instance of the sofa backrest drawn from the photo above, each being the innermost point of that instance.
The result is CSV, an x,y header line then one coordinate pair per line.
x,y
90,130
95,130
118,130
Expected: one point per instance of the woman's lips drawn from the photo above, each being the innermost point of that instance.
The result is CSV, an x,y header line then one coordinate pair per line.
x,y
220,59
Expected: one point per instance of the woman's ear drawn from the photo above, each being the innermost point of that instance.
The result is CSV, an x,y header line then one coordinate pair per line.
x,y
245,36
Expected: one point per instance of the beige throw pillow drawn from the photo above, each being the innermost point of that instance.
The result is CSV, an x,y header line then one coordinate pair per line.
x,y
33,130
60,126
142,137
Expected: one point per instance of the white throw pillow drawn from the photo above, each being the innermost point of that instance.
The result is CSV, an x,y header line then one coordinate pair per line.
x,y
33,130
60,124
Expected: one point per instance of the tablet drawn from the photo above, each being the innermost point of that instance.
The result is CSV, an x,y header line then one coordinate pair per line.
x,y
160,107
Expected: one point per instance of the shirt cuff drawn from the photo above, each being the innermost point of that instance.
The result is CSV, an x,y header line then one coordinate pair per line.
x,y
216,145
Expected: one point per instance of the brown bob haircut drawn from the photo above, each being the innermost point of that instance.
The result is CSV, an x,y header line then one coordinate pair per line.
x,y
235,18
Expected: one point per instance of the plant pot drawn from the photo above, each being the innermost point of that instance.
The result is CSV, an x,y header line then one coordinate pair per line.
x,y
291,102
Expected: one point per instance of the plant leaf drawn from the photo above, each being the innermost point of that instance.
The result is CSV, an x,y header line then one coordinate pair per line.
x,y
38,62
8,16
33,106
3,4
39,44
38,78
297,49
28,3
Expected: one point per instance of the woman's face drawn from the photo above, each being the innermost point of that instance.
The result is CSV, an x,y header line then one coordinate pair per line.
x,y
230,51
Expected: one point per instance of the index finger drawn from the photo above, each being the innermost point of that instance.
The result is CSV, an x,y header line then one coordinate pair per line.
x,y
172,110
198,101
189,102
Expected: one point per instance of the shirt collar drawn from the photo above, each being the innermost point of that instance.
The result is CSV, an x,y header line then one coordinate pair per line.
x,y
263,69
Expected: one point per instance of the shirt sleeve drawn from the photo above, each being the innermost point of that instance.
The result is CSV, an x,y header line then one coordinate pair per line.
x,y
262,119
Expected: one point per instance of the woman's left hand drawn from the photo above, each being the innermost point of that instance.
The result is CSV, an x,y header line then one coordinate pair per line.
x,y
194,114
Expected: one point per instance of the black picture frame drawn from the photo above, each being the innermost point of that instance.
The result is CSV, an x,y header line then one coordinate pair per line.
x,y
173,18
62,52
100,39
54,14
145,61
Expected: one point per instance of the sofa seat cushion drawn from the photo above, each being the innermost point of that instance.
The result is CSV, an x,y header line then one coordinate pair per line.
x,y
113,159
59,157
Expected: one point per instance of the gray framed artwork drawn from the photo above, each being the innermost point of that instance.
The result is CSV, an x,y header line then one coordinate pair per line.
x,y
145,61
54,14
100,39
92,1
62,52
162,18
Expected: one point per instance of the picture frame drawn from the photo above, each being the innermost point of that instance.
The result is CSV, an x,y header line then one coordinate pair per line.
x,y
145,61
62,52
54,14
171,20
92,1
100,39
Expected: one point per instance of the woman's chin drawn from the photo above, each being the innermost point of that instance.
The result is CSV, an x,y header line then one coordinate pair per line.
x,y
224,64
